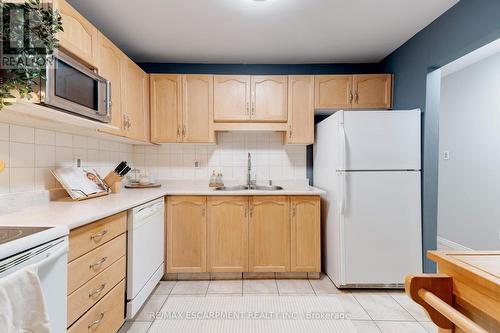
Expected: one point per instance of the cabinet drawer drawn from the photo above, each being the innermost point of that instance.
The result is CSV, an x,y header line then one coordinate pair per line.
x,y
87,238
106,316
91,292
89,265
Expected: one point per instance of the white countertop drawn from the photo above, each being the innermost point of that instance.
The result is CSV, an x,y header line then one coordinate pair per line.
x,y
74,214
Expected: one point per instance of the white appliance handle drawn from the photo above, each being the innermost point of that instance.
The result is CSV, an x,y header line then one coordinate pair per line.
x,y
343,162
51,257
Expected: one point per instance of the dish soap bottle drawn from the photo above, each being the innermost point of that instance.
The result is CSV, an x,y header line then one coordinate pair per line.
x,y
213,180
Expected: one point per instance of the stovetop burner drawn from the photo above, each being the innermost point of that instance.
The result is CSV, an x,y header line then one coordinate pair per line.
x,y
8,234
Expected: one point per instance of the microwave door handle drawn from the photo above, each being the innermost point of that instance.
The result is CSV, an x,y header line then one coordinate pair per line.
x,y
108,99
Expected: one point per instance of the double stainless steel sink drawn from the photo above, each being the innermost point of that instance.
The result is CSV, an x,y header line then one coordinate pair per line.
x,y
251,184
247,188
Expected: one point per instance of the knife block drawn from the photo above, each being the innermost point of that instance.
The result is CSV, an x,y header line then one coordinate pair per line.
x,y
113,180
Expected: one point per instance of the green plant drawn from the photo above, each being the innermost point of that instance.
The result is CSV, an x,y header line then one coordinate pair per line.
x,y
28,42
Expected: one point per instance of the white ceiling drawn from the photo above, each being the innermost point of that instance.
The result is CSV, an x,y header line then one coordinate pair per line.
x,y
249,31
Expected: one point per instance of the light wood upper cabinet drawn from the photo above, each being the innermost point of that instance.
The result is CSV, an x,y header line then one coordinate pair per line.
x,y
181,108
186,234
269,98
372,91
166,108
227,234
197,108
231,97
79,37
111,63
305,234
136,116
333,91
269,234
300,109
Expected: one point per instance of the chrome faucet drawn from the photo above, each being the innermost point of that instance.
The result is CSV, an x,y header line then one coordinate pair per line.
x,y
249,171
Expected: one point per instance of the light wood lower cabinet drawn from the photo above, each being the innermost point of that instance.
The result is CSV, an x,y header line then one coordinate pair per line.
x,y
107,316
186,234
227,234
243,234
305,234
269,234
96,276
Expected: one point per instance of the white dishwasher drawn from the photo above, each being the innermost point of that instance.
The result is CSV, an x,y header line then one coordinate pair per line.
x,y
145,259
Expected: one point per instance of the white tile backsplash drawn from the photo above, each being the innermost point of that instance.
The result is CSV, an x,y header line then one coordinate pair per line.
x,y
30,154
270,158
22,134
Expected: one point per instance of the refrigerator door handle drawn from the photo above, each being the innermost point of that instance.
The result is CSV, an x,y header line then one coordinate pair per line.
x,y
343,158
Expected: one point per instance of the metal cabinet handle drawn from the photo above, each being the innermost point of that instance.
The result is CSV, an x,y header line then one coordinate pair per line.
x,y
253,108
294,210
203,211
99,235
98,263
97,291
178,130
246,211
350,96
248,108
251,210
96,322
356,97
184,130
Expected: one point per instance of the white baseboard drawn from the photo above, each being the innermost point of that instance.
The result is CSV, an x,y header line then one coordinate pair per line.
x,y
446,244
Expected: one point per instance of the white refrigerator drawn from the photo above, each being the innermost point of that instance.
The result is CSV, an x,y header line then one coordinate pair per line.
x,y
368,162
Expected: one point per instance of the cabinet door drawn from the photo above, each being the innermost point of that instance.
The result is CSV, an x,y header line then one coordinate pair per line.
x,y
137,102
111,62
186,234
227,234
300,109
269,234
197,108
305,234
372,91
333,91
79,37
231,97
166,109
269,98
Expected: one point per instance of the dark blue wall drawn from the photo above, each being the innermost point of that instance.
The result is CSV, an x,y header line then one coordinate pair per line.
x,y
274,69
465,27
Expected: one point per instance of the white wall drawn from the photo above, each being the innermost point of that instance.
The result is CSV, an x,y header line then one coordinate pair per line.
x,y
270,158
469,182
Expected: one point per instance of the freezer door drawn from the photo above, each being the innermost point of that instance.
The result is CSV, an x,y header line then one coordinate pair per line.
x,y
381,225
382,140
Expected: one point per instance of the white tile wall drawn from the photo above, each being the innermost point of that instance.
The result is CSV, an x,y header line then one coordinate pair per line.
x,y
29,154
270,158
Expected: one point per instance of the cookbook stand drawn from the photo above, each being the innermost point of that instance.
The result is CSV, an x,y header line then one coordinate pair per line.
x,y
111,183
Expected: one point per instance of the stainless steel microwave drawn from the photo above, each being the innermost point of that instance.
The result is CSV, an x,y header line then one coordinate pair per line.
x,y
72,87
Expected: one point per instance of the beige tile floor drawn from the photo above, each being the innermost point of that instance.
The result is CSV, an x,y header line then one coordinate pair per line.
x,y
370,311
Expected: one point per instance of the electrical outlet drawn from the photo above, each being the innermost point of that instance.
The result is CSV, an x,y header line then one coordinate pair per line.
x,y
446,155
197,164
77,162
